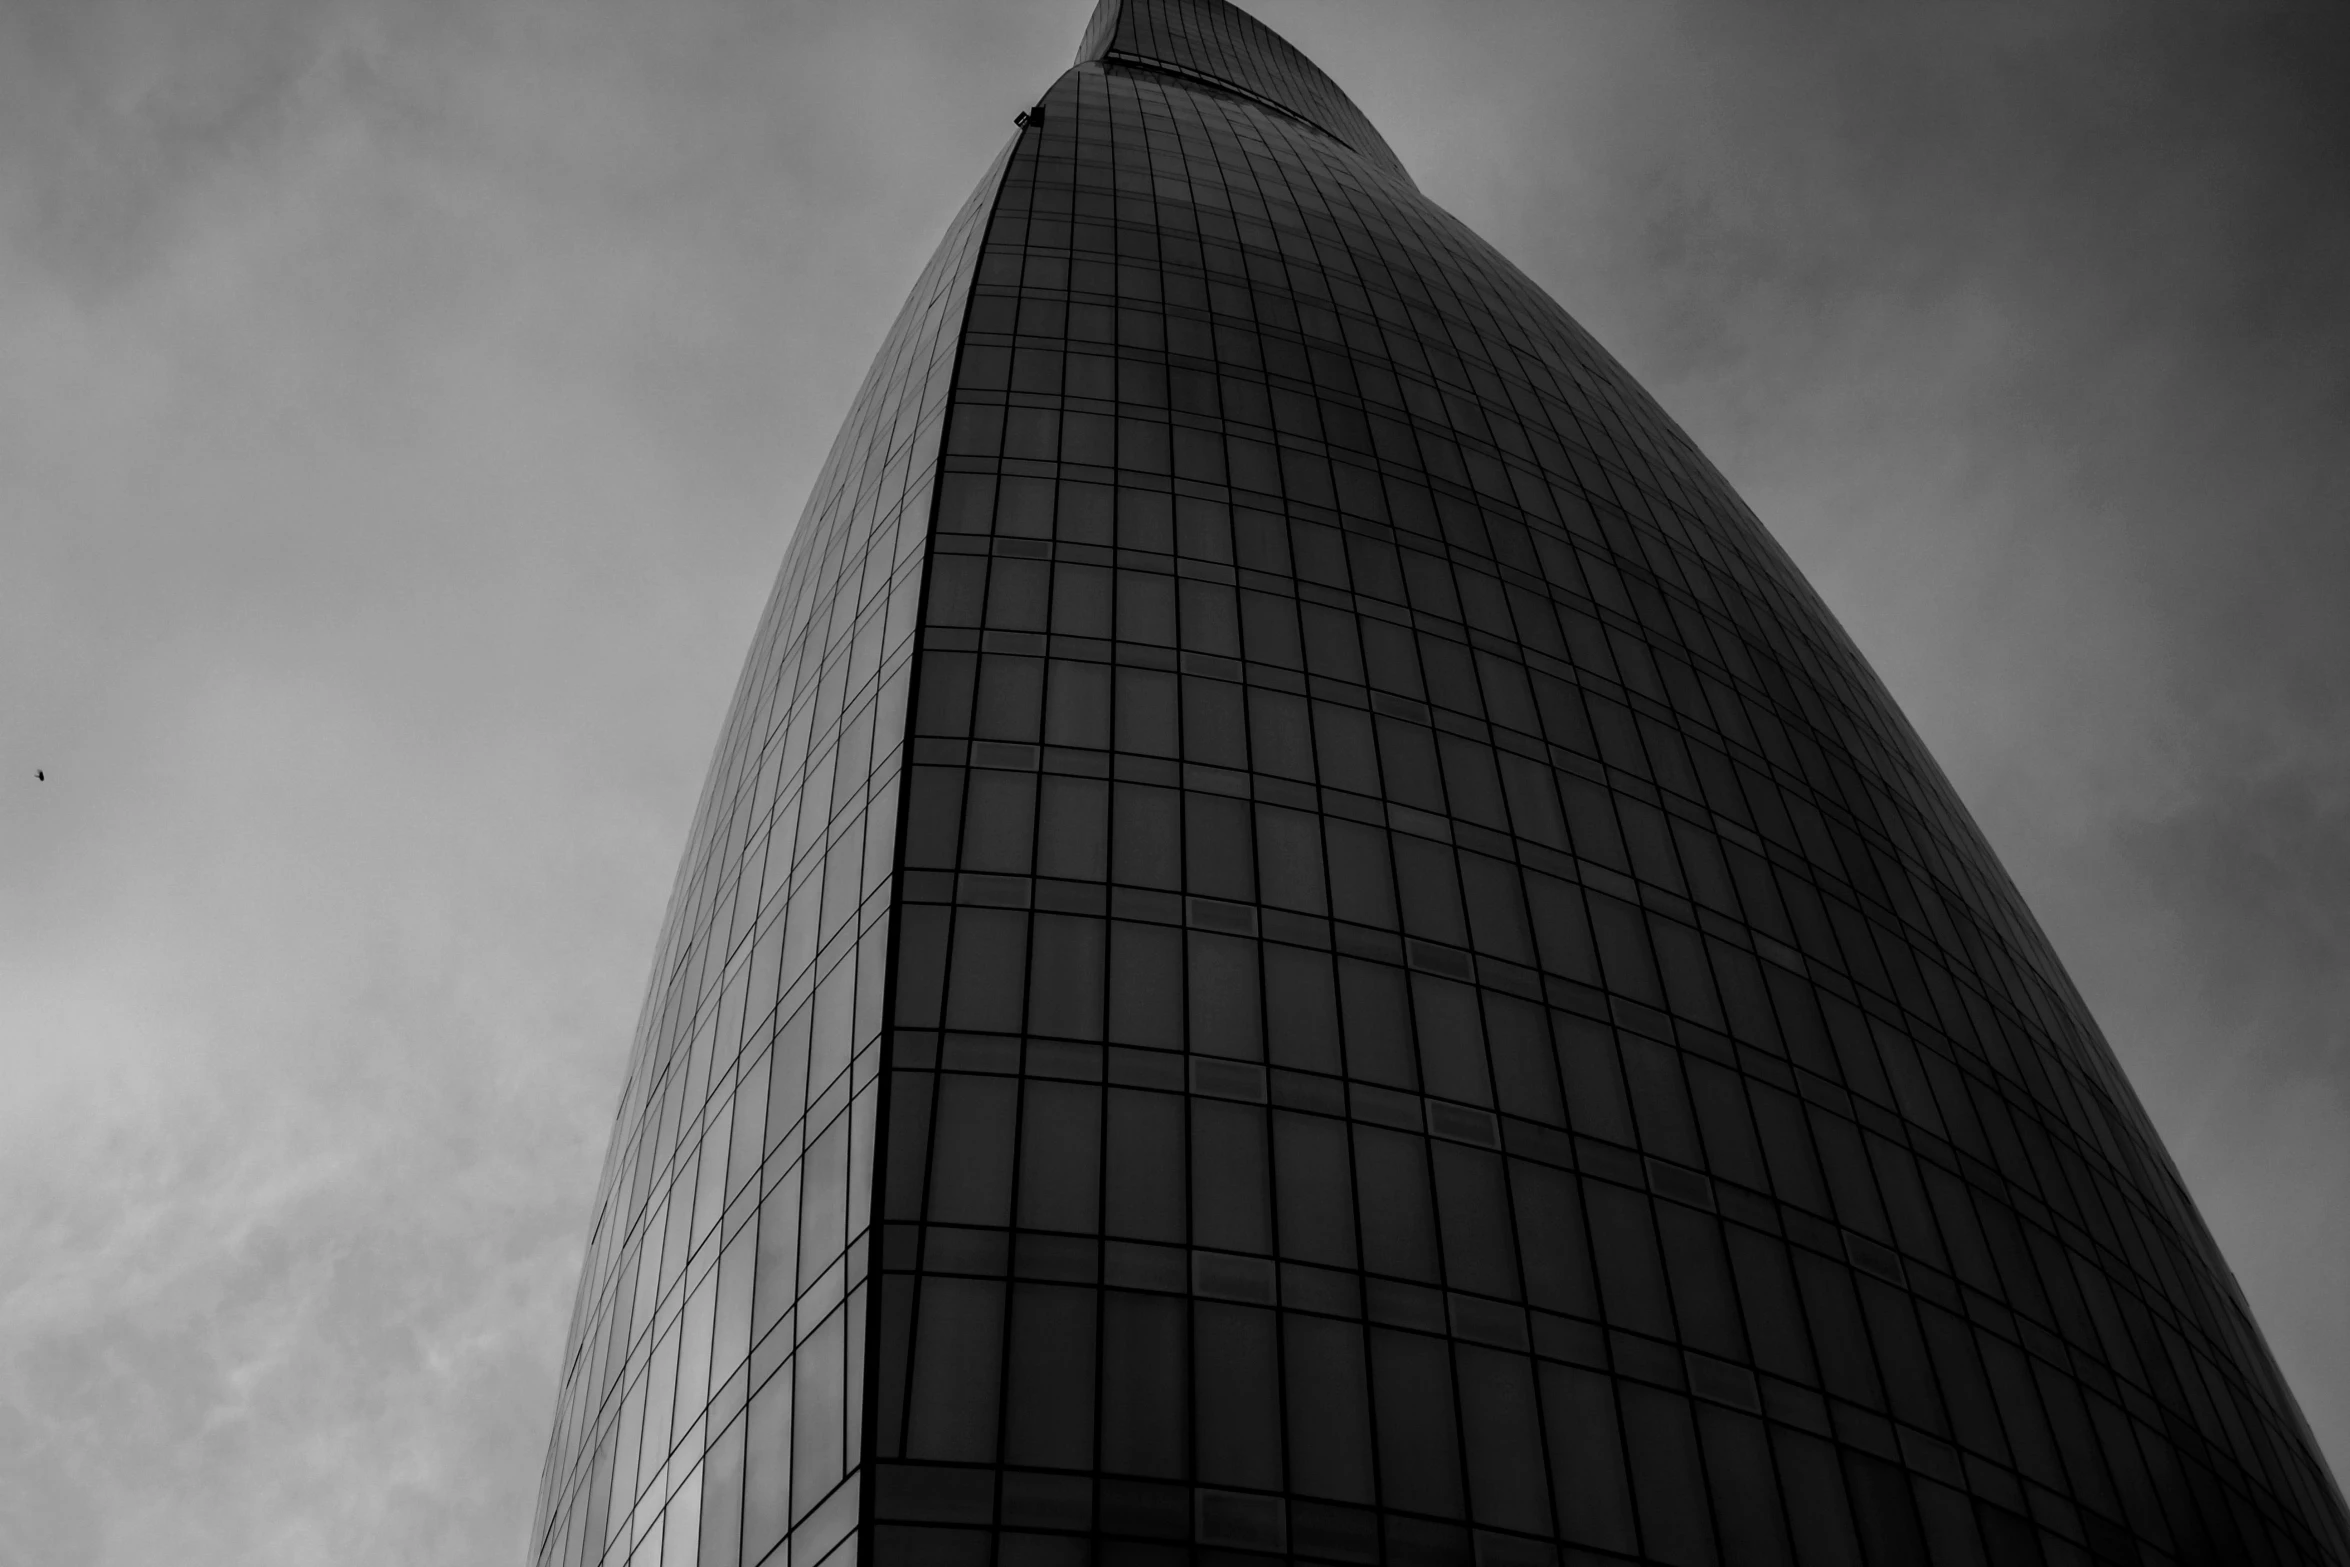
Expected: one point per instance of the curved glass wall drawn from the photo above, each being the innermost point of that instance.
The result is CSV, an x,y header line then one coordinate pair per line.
x,y
1438,1013
713,1385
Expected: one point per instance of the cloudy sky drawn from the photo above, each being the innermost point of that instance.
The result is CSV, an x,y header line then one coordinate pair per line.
x,y
404,404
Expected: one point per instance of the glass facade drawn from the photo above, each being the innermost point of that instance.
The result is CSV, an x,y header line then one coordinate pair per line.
x,y
1304,941
713,1384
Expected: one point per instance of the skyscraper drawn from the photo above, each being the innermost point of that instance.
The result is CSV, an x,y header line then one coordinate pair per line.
x,y
1304,941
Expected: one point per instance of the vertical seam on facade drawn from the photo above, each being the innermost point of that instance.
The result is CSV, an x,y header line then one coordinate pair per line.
x,y
869,1373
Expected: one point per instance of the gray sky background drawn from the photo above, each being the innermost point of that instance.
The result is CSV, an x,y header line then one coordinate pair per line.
x,y
404,405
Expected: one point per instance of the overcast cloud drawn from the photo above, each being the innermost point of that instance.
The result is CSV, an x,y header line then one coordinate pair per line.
x,y
405,403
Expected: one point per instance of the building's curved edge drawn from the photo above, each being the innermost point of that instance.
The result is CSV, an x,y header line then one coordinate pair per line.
x,y
870,1372
836,507
1216,44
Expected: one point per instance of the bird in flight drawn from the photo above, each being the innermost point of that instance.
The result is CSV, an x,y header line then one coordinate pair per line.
x,y
40,776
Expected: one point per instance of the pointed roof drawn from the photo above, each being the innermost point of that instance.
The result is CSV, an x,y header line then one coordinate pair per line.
x,y
1215,42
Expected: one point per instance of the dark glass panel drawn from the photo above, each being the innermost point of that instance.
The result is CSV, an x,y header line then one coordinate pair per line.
x,y
1394,1209
1501,1434
1301,1009
1551,1239
1631,1276
1452,1044
1289,859
973,1150
1329,1408
1230,1207
1225,1018
1704,1303
1143,1177
1818,1513
1745,1491
1315,1188
1591,1490
1668,1480
990,960
1060,1156
1073,829
1078,711
1048,1393
1473,1205
958,1345
1419,1448
1362,887
1065,984
1146,985
1145,1380
1239,1396
1375,1001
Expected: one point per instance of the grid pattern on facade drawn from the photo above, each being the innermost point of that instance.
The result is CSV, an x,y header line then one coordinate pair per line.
x,y
713,1382
1442,1014
1226,45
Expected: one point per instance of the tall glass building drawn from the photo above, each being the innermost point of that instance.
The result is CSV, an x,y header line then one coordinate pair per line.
x,y
1305,942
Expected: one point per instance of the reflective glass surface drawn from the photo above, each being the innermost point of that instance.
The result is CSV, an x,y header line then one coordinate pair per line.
x,y
1437,1011
713,1384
